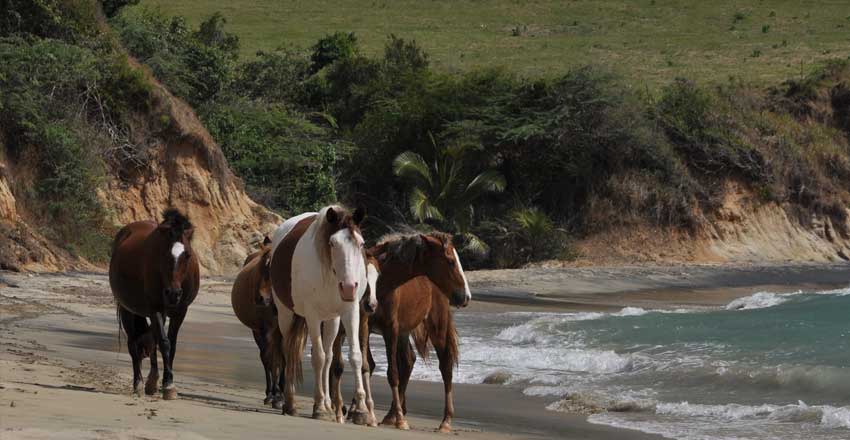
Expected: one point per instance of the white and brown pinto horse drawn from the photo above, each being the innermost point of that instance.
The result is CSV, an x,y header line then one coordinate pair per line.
x,y
318,272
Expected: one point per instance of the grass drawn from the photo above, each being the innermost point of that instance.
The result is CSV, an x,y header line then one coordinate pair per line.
x,y
649,42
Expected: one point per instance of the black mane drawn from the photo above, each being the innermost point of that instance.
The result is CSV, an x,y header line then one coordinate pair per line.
x,y
178,222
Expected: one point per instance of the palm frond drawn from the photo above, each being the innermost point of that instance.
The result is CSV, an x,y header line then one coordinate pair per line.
x,y
475,245
409,165
421,207
488,181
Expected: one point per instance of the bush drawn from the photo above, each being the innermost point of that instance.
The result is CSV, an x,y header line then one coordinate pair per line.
x,y
528,235
276,76
287,163
194,65
332,48
111,7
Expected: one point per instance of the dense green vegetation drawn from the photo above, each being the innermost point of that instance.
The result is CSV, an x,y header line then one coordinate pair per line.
x,y
513,166
66,96
517,164
648,42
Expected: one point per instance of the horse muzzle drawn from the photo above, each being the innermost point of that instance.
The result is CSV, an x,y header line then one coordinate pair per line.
x,y
348,291
459,298
368,306
173,297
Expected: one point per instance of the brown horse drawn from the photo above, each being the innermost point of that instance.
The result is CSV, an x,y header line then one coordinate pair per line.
x,y
253,305
420,277
154,274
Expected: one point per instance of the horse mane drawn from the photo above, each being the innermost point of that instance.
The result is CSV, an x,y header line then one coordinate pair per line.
x,y
404,247
177,222
322,231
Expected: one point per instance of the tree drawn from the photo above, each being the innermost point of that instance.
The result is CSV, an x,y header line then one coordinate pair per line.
x,y
442,194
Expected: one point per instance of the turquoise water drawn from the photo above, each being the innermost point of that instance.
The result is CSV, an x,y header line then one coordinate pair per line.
x,y
766,366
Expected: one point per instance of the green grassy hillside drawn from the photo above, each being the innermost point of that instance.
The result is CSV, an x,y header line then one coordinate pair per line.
x,y
650,42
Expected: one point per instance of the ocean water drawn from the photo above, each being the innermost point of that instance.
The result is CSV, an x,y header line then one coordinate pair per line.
x,y
767,366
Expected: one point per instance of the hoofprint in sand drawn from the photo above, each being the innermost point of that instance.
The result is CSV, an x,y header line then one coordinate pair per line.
x,y
64,374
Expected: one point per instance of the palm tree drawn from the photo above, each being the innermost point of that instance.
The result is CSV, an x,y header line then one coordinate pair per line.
x,y
439,193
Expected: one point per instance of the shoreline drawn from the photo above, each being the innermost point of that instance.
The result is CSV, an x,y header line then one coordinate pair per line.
x,y
61,336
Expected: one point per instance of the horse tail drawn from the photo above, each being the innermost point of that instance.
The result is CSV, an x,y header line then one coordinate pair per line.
x,y
275,341
118,318
295,344
452,341
421,337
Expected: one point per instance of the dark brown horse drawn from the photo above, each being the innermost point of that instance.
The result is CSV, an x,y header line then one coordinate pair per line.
x,y
253,305
420,277
154,274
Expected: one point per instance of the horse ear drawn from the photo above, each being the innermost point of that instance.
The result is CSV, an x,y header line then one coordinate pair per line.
x,y
266,240
332,216
359,215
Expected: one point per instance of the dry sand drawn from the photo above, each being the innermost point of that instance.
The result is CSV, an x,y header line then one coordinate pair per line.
x,y
62,374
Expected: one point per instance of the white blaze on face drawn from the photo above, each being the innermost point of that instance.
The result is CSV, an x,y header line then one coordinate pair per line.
x,y
348,263
177,250
372,276
463,275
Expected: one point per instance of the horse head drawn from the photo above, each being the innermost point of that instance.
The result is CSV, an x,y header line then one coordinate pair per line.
x,y
342,243
443,267
432,255
370,298
175,233
265,282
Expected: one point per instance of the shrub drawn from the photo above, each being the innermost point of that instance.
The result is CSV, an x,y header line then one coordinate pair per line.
x,y
111,7
287,163
276,76
332,48
195,65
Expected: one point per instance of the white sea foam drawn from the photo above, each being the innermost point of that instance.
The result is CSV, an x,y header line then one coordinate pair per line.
x,y
761,300
689,421
758,300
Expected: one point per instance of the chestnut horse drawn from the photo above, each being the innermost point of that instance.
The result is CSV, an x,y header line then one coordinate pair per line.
x,y
420,277
318,272
252,304
154,274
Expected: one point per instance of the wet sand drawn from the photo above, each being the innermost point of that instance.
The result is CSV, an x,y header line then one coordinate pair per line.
x,y
62,367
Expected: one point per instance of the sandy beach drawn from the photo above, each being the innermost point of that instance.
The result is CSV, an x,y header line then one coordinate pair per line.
x,y
63,373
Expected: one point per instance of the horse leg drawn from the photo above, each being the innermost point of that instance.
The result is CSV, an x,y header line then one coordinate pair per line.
x,y
330,329
366,369
351,321
446,367
395,416
259,339
406,360
168,390
274,358
314,327
153,374
337,368
128,321
284,322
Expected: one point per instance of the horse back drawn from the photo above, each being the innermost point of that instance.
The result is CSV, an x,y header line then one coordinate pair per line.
x,y
244,294
126,275
280,268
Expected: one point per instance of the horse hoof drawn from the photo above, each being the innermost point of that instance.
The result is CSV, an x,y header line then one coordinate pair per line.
x,y
150,386
359,417
445,428
389,420
321,414
169,392
138,390
402,425
267,401
277,404
289,410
